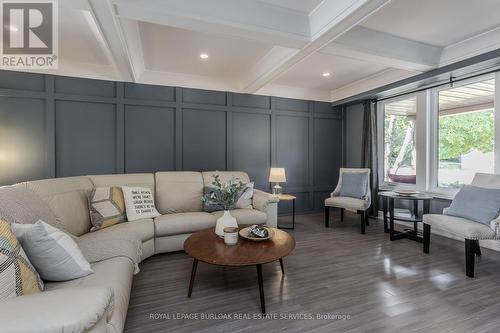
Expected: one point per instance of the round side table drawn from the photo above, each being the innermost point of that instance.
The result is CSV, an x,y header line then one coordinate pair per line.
x,y
388,198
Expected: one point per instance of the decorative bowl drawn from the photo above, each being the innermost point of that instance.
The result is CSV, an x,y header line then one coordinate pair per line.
x,y
406,193
245,233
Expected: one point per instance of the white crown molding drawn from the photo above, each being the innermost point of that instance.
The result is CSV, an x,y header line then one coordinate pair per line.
x,y
371,82
295,92
470,47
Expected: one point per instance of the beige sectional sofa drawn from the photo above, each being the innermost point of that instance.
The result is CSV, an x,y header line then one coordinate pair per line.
x,y
99,302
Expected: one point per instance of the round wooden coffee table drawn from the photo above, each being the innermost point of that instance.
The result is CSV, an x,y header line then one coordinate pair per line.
x,y
207,247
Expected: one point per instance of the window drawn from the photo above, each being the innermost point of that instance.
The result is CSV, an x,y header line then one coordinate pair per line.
x,y
437,139
466,133
399,141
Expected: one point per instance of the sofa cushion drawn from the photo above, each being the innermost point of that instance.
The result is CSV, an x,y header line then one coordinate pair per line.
x,y
17,276
459,226
68,200
54,254
19,204
116,273
347,202
245,216
106,243
107,207
129,179
178,192
144,228
182,223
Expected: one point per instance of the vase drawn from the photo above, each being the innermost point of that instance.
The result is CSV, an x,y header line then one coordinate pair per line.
x,y
225,221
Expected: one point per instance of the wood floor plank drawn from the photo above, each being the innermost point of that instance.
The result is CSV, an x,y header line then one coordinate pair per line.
x,y
382,286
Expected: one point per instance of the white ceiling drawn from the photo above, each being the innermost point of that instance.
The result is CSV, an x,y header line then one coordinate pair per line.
x,y
278,47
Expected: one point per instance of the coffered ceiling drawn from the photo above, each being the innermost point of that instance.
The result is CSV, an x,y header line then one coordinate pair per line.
x,y
313,49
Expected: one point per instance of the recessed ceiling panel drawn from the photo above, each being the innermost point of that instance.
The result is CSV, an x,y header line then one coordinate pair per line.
x,y
311,73
176,50
436,22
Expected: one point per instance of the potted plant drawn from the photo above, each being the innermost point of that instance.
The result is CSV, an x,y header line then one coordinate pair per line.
x,y
224,197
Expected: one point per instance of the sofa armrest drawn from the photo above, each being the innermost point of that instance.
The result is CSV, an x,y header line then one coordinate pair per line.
x,y
267,203
64,310
261,199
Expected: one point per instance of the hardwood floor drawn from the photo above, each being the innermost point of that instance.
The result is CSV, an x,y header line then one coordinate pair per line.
x,y
382,286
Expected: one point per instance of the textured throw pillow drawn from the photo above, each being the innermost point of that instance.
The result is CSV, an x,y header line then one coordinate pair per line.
x,y
107,207
208,207
353,184
140,203
245,196
477,204
53,252
17,275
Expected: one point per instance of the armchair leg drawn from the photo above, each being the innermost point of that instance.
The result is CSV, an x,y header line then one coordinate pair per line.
x,y
327,216
367,218
469,257
427,237
363,222
341,214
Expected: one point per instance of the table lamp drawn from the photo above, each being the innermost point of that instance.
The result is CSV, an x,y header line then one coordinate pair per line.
x,y
277,175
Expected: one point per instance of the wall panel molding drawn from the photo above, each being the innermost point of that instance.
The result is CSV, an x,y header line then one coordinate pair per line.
x,y
92,126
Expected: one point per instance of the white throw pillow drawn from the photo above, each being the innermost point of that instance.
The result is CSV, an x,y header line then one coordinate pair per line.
x,y
139,203
245,199
52,252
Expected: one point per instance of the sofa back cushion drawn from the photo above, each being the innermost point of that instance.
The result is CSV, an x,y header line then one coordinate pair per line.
x,y
131,179
208,176
178,191
68,200
18,204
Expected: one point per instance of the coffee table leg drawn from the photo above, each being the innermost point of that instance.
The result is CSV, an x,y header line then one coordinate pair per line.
x,y
282,267
261,289
193,274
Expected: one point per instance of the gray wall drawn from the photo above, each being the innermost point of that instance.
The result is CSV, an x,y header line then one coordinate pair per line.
x,y
54,126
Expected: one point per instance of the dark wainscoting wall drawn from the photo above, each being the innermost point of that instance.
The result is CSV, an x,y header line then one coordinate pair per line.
x,y
54,126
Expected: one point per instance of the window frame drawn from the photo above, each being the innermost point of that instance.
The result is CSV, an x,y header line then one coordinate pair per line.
x,y
427,138
434,133
381,144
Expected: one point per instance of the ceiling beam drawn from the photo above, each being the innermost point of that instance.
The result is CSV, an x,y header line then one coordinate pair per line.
x,y
111,29
381,48
348,14
369,83
246,19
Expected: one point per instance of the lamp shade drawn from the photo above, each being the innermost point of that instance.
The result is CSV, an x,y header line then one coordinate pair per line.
x,y
277,175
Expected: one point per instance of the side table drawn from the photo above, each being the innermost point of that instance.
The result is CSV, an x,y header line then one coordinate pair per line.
x,y
388,207
288,197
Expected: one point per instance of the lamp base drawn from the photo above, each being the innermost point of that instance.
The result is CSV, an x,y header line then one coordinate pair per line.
x,y
277,189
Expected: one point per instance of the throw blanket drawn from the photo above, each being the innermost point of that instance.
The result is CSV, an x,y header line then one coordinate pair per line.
x,y
105,244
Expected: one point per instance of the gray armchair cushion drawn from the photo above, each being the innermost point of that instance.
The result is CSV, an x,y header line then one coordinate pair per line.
x,y
353,185
477,204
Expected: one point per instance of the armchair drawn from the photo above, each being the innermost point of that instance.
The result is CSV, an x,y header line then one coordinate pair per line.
x,y
469,230
359,206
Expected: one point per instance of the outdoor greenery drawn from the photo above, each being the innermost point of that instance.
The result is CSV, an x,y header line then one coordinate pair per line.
x,y
461,133
396,129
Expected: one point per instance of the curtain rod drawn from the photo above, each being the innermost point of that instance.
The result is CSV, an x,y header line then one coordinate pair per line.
x,y
450,82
